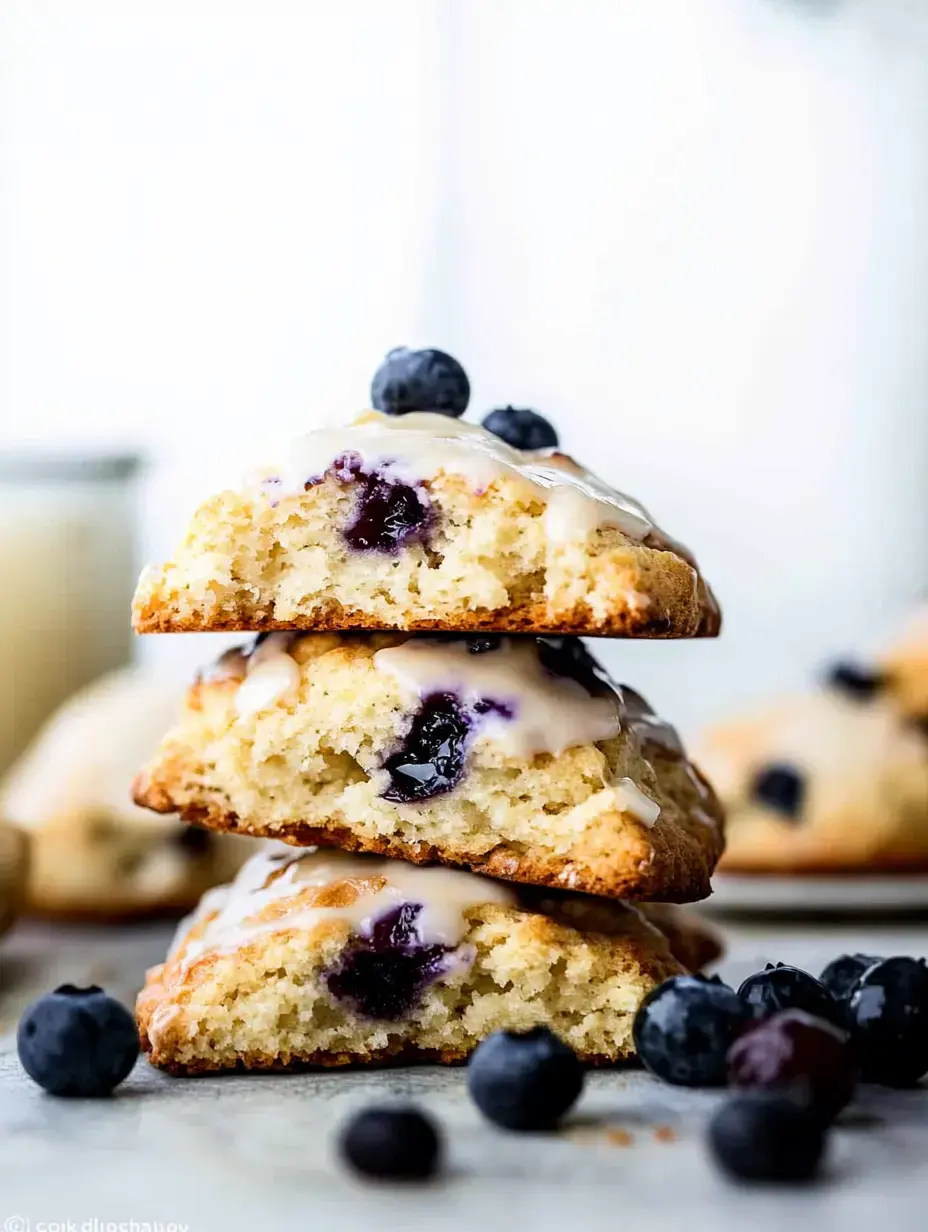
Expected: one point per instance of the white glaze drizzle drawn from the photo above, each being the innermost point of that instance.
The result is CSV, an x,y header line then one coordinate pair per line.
x,y
549,713
270,676
413,448
633,800
271,877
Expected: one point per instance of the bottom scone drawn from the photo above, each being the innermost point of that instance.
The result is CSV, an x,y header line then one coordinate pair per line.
x,y
325,958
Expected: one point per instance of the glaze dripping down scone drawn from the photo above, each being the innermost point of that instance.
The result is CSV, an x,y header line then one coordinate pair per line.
x,y
514,757
93,853
324,958
421,522
831,781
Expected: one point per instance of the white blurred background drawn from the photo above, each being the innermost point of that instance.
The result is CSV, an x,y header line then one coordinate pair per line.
x,y
693,233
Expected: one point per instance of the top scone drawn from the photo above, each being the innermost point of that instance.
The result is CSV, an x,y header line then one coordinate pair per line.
x,y
420,521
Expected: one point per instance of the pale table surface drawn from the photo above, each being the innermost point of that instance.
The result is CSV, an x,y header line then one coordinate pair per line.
x,y
256,1152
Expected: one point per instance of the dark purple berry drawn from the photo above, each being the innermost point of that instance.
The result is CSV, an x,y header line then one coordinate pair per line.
x,y
522,429
387,515
392,1144
685,1027
426,380
887,1014
524,1080
77,1041
782,987
761,1136
840,976
385,975
782,788
859,683
804,1057
432,758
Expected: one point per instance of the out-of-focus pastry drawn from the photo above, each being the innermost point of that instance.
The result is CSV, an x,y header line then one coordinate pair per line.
x,y
14,861
834,780
93,853
905,666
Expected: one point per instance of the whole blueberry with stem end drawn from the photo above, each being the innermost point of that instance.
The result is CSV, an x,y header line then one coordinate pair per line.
x,y
425,380
77,1041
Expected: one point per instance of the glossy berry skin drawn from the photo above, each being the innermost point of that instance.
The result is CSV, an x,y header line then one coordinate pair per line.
x,y
685,1027
524,1081
842,973
392,1144
522,429
804,1057
887,1016
760,1136
432,759
782,987
427,380
77,1041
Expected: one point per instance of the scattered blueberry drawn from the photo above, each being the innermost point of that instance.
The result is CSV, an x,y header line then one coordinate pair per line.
x,y
524,1080
392,1144
782,987
685,1027
887,1016
77,1041
522,429
385,975
858,682
782,788
840,976
432,758
427,380
762,1136
804,1057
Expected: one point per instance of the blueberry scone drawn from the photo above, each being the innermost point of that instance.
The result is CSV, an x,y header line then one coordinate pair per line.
x,y
325,958
835,780
92,852
903,669
420,522
514,757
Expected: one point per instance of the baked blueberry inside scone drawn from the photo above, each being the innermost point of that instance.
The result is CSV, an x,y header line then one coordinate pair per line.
x,y
319,957
515,757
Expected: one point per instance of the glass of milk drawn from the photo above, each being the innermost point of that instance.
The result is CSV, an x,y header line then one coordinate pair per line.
x,y
67,568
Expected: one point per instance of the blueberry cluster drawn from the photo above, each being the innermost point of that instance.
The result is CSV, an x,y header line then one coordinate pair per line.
x,y
431,380
792,1046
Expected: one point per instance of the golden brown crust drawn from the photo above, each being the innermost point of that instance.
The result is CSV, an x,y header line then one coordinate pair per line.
x,y
521,973
662,870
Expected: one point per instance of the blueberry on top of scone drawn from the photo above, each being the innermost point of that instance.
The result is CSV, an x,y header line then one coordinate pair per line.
x,y
521,428
425,380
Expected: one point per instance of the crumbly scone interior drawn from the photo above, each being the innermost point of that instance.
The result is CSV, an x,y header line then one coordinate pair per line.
x,y
260,999
279,558
317,757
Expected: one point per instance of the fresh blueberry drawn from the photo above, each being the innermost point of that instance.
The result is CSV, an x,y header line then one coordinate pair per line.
x,y
524,1080
392,1144
782,788
427,380
77,1041
431,761
888,1019
782,987
685,1027
762,1136
522,429
801,1056
384,976
840,976
860,683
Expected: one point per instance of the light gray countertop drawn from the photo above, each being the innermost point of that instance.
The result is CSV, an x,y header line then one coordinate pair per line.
x,y
256,1152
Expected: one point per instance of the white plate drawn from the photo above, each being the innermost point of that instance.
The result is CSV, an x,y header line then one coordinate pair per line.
x,y
819,894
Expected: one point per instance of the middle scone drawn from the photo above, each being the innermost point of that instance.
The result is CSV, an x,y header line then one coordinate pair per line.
x,y
514,757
